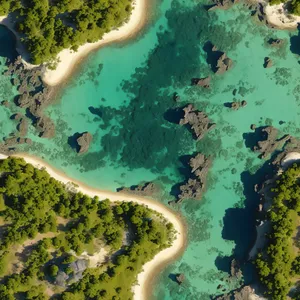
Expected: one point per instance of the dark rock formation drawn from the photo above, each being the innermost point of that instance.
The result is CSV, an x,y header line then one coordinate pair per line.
x,y
33,95
268,63
204,82
84,142
194,186
222,4
235,269
235,105
244,293
253,127
5,103
45,126
180,278
176,97
270,143
22,127
145,189
224,63
275,42
197,120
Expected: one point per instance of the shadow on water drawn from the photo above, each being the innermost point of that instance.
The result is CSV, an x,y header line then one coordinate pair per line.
x,y
240,222
295,42
8,44
72,141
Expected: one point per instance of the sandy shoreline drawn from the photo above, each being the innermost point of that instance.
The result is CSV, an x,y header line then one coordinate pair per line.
x,y
68,60
142,289
278,16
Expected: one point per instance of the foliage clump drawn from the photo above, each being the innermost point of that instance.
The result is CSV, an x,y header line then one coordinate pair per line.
x,y
32,207
47,27
279,263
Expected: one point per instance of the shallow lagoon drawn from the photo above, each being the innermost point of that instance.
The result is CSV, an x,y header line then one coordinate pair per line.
x,y
122,94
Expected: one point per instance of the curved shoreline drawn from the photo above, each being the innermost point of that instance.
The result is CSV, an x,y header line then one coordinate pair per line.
x,y
69,60
141,290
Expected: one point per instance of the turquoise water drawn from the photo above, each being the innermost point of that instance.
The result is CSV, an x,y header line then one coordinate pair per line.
x,y
122,94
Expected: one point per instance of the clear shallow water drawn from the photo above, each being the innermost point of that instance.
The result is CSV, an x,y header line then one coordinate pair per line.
x,y
123,96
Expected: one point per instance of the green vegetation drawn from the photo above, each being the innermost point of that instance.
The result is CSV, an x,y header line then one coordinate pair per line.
x,y
50,226
47,27
292,6
279,264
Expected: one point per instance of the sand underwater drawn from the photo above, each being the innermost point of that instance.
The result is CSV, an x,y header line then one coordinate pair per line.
x,y
122,94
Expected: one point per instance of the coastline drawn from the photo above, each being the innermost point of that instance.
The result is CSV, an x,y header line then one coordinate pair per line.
x,y
142,289
278,17
69,60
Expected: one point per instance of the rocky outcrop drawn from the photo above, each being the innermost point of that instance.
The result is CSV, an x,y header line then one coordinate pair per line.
x,y
5,103
268,63
224,64
180,278
33,94
194,186
84,142
45,126
203,82
197,120
222,4
22,127
275,42
235,105
244,293
270,143
144,189
253,127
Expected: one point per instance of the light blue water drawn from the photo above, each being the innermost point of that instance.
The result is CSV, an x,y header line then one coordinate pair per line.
x,y
123,96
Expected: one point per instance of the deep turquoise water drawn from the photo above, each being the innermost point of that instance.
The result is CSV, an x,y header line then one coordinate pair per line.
x,y
123,96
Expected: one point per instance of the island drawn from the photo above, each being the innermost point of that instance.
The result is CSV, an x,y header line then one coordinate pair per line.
x,y
64,239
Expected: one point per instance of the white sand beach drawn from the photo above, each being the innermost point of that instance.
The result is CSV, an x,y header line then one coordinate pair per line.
x,y
278,16
289,159
146,276
68,59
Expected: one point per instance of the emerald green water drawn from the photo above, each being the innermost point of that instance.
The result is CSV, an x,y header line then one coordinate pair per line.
x,y
123,96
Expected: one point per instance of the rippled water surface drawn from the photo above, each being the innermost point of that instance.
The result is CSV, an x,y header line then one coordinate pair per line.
x,y
123,96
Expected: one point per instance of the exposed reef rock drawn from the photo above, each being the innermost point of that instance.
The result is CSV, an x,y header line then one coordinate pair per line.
x,y
244,293
217,60
235,269
222,4
22,127
236,104
198,120
33,95
145,189
45,126
224,64
5,103
204,82
253,127
268,63
180,278
275,42
269,142
194,186
84,142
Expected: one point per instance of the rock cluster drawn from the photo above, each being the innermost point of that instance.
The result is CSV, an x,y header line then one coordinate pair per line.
x,y
84,141
268,63
33,95
222,4
194,186
270,143
275,42
197,120
235,105
224,64
144,189
243,293
203,82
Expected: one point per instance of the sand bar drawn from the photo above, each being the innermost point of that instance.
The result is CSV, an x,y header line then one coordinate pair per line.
x,y
141,289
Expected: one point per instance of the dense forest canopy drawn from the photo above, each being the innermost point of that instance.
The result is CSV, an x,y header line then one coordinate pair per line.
x,y
45,227
279,263
47,27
